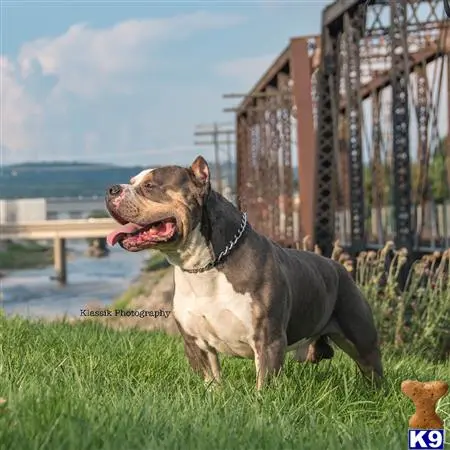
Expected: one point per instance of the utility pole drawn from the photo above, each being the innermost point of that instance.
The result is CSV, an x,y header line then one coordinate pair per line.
x,y
214,132
215,137
230,162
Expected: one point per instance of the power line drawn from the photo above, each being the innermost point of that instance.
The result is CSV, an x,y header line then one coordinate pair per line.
x,y
215,131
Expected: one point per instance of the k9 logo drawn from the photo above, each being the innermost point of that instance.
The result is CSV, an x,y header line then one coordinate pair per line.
x,y
426,439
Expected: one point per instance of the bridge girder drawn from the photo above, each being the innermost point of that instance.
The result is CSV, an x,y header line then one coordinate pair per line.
x,y
343,23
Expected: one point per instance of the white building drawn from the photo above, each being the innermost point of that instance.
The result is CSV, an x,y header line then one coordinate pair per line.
x,y
23,210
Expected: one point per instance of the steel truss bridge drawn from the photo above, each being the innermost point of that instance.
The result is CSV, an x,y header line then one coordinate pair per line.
x,y
363,111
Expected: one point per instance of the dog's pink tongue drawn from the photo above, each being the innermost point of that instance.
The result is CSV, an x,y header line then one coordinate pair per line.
x,y
113,237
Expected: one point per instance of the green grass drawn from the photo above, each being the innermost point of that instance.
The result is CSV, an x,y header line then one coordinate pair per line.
x,y
25,255
157,262
142,287
128,296
87,387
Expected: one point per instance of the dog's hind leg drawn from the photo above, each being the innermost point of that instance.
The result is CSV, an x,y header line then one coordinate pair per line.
x,y
356,333
369,364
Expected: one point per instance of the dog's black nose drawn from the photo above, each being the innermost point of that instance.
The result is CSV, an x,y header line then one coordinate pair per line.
x,y
115,189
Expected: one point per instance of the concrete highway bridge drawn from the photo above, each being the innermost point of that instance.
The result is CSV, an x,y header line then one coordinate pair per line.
x,y
59,231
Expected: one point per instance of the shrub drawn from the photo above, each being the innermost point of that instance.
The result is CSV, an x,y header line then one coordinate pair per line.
x,y
415,318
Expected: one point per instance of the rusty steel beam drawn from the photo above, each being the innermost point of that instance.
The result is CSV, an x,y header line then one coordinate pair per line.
x,y
327,141
252,174
333,14
401,179
274,168
403,30
342,166
447,153
377,168
306,145
265,188
287,193
423,149
383,79
423,119
269,78
241,162
265,114
353,26
264,144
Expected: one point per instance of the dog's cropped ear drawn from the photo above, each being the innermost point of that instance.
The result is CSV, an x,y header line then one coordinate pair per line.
x,y
200,170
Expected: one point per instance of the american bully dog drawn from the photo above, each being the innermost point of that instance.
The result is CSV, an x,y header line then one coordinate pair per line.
x,y
236,291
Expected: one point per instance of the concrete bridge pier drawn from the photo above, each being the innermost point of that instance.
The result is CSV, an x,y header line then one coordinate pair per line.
x,y
60,260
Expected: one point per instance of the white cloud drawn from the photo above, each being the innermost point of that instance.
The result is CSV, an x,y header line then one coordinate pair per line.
x,y
86,60
246,71
90,69
18,109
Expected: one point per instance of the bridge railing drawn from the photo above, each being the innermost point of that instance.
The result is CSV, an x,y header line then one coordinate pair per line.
x,y
65,229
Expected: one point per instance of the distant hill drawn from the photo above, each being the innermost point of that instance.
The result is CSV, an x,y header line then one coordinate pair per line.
x,y
56,179
73,179
65,179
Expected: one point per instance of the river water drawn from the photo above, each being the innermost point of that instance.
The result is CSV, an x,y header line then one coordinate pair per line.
x,y
32,294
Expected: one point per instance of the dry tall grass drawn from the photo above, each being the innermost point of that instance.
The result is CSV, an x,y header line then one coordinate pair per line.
x,y
414,319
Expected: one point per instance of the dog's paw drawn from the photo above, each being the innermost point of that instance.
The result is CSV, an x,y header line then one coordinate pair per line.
x,y
314,352
212,385
322,350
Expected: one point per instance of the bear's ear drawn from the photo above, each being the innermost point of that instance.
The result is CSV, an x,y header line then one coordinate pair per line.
x,y
200,170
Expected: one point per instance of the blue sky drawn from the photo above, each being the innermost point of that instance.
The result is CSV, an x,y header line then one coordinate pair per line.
x,y
127,82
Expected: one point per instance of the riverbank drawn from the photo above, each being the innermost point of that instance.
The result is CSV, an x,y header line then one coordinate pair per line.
x,y
24,255
152,291
33,294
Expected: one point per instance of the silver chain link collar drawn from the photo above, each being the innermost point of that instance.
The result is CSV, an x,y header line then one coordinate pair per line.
x,y
225,251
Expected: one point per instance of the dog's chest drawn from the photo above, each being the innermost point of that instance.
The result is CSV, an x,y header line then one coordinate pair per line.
x,y
209,309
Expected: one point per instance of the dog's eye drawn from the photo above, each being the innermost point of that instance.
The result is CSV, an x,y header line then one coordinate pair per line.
x,y
149,186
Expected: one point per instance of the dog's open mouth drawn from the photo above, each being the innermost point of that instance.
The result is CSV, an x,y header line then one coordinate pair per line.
x,y
133,236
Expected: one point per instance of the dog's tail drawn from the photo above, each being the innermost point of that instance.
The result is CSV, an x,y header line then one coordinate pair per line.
x,y
355,318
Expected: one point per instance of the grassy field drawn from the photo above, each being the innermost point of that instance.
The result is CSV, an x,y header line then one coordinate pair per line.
x,y
83,387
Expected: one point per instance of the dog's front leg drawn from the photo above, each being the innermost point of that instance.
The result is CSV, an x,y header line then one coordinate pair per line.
x,y
212,372
203,362
269,356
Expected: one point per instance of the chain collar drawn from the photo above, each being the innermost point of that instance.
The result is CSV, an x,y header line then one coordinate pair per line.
x,y
225,251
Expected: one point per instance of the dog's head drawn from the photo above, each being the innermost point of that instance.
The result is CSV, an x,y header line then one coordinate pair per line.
x,y
160,207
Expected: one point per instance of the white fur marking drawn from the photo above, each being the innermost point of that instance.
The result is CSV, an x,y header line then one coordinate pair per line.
x,y
209,309
195,253
140,176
